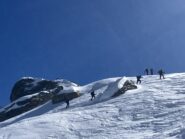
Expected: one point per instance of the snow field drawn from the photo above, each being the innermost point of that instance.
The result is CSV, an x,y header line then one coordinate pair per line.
x,y
156,110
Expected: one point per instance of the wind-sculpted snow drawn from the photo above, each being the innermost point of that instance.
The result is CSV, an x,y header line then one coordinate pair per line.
x,y
154,111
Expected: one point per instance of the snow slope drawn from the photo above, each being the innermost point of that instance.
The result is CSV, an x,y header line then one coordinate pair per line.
x,y
154,111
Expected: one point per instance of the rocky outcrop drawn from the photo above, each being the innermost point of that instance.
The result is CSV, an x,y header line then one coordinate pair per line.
x,y
25,104
28,86
29,93
128,85
62,97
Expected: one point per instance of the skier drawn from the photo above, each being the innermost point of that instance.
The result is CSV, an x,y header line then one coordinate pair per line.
x,y
139,79
146,71
92,95
67,102
161,73
151,71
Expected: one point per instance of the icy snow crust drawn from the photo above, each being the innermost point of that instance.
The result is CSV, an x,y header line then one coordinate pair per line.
x,y
154,111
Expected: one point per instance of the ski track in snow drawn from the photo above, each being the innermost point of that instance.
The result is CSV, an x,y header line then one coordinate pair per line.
x,y
156,110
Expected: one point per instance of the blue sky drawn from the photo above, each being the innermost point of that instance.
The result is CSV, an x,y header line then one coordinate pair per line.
x,y
87,40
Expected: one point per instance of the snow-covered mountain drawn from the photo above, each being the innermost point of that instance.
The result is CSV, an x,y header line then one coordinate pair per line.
x,y
155,110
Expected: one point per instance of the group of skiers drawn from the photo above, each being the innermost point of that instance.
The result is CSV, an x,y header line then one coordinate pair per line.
x,y
151,71
146,71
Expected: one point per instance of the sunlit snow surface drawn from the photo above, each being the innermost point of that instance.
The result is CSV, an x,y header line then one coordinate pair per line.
x,y
154,111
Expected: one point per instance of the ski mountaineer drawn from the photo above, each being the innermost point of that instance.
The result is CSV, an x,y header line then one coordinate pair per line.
x,y
92,95
146,71
151,71
139,79
67,102
161,73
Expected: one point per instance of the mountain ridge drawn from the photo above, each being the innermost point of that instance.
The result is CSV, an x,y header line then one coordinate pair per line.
x,y
154,110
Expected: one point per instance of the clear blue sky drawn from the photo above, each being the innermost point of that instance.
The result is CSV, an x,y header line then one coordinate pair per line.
x,y
87,40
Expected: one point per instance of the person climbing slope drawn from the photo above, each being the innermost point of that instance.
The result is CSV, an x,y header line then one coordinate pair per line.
x,y
151,71
92,95
161,74
146,71
139,79
67,103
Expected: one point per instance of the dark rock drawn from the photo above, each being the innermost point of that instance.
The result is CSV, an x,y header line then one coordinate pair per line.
x,y
29,93
128,85
57,90
20,103
28,86
25,105
63,97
